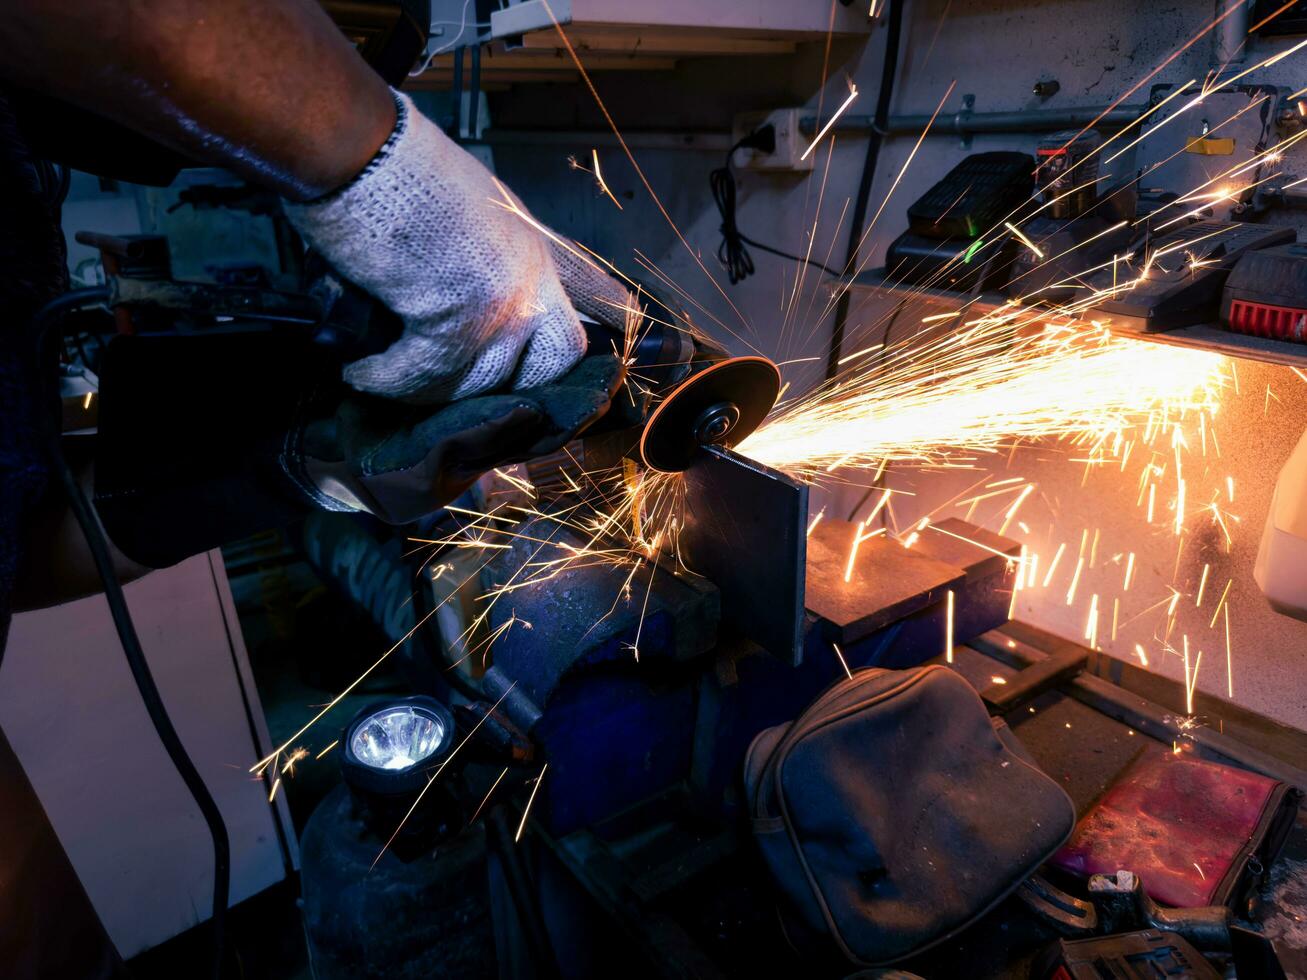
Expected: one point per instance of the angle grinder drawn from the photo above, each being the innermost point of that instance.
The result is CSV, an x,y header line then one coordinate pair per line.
x,y
719,405
698,394
687,391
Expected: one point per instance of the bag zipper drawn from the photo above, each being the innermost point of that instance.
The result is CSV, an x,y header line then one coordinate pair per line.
x,y
1257,842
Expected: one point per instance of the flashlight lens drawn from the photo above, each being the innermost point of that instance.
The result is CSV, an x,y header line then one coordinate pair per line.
x,y
397,738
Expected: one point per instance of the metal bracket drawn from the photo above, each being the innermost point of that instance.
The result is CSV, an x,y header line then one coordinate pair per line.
x,y
968,106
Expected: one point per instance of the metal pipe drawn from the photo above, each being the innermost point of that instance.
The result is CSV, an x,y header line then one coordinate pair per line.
x,y
960,123
1228,41
967,123
637,139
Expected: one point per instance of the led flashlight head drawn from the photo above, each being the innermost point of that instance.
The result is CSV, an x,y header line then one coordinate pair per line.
x,y
393,746
397,737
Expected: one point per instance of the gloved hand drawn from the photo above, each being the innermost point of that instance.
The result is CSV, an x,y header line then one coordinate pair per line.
x,y
399,463
424,229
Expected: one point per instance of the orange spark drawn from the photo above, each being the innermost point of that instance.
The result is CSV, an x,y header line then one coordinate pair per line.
x,y
1075,580
948,628
853,94
599,178
843,663
526,810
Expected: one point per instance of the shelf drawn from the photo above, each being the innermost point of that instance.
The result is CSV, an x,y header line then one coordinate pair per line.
x,y
1202,336
616,35
695,20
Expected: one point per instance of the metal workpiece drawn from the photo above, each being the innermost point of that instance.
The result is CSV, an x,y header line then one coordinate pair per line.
x,y
980,553
744,532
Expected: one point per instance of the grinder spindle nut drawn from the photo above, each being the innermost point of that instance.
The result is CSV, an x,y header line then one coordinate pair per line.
x,y
718,406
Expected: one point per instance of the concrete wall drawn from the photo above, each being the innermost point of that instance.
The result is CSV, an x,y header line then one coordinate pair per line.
x,y
995,51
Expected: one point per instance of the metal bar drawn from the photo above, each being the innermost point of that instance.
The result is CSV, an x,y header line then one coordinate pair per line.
x,y
1230,41
1035,679
1139,713
959,124
586,138
966,123
1151,719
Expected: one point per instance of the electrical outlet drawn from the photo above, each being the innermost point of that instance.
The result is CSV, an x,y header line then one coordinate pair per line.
x,y
790,143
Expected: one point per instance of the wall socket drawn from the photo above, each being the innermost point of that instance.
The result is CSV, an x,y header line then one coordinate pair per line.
x,y
790,143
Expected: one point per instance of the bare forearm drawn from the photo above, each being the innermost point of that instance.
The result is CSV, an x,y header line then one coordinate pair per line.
x,y
268,88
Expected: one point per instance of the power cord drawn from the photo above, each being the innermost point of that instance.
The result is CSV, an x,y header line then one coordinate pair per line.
x,y
732,252
45,323
879,131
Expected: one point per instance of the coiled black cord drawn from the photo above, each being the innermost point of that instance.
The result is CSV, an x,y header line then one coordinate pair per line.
x,y
731,253
45,323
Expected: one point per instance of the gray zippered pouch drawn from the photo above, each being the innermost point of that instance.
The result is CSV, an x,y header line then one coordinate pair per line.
x,y
892,815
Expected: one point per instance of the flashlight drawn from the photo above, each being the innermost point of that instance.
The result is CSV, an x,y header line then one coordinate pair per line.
x,y
392,750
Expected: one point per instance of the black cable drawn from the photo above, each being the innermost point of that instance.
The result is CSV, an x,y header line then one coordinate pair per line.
x,y
456,127
879,124
474,92
732,253
81,349
523,894
45,323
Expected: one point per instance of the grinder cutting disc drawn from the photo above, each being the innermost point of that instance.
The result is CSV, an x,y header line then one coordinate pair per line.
x,y
719,406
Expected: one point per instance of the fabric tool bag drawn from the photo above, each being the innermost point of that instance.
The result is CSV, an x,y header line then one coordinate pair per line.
x,y
892,815
1194,832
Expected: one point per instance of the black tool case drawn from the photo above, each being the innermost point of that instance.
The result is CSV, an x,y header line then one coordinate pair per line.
x,y
975,197
1266,294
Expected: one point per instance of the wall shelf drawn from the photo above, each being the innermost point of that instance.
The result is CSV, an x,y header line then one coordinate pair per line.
x,y
616,35
1203,336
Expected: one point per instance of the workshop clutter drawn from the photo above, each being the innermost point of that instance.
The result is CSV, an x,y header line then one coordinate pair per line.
x,y
892,814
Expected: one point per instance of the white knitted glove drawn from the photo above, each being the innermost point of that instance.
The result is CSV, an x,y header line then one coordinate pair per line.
x,y
475,284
